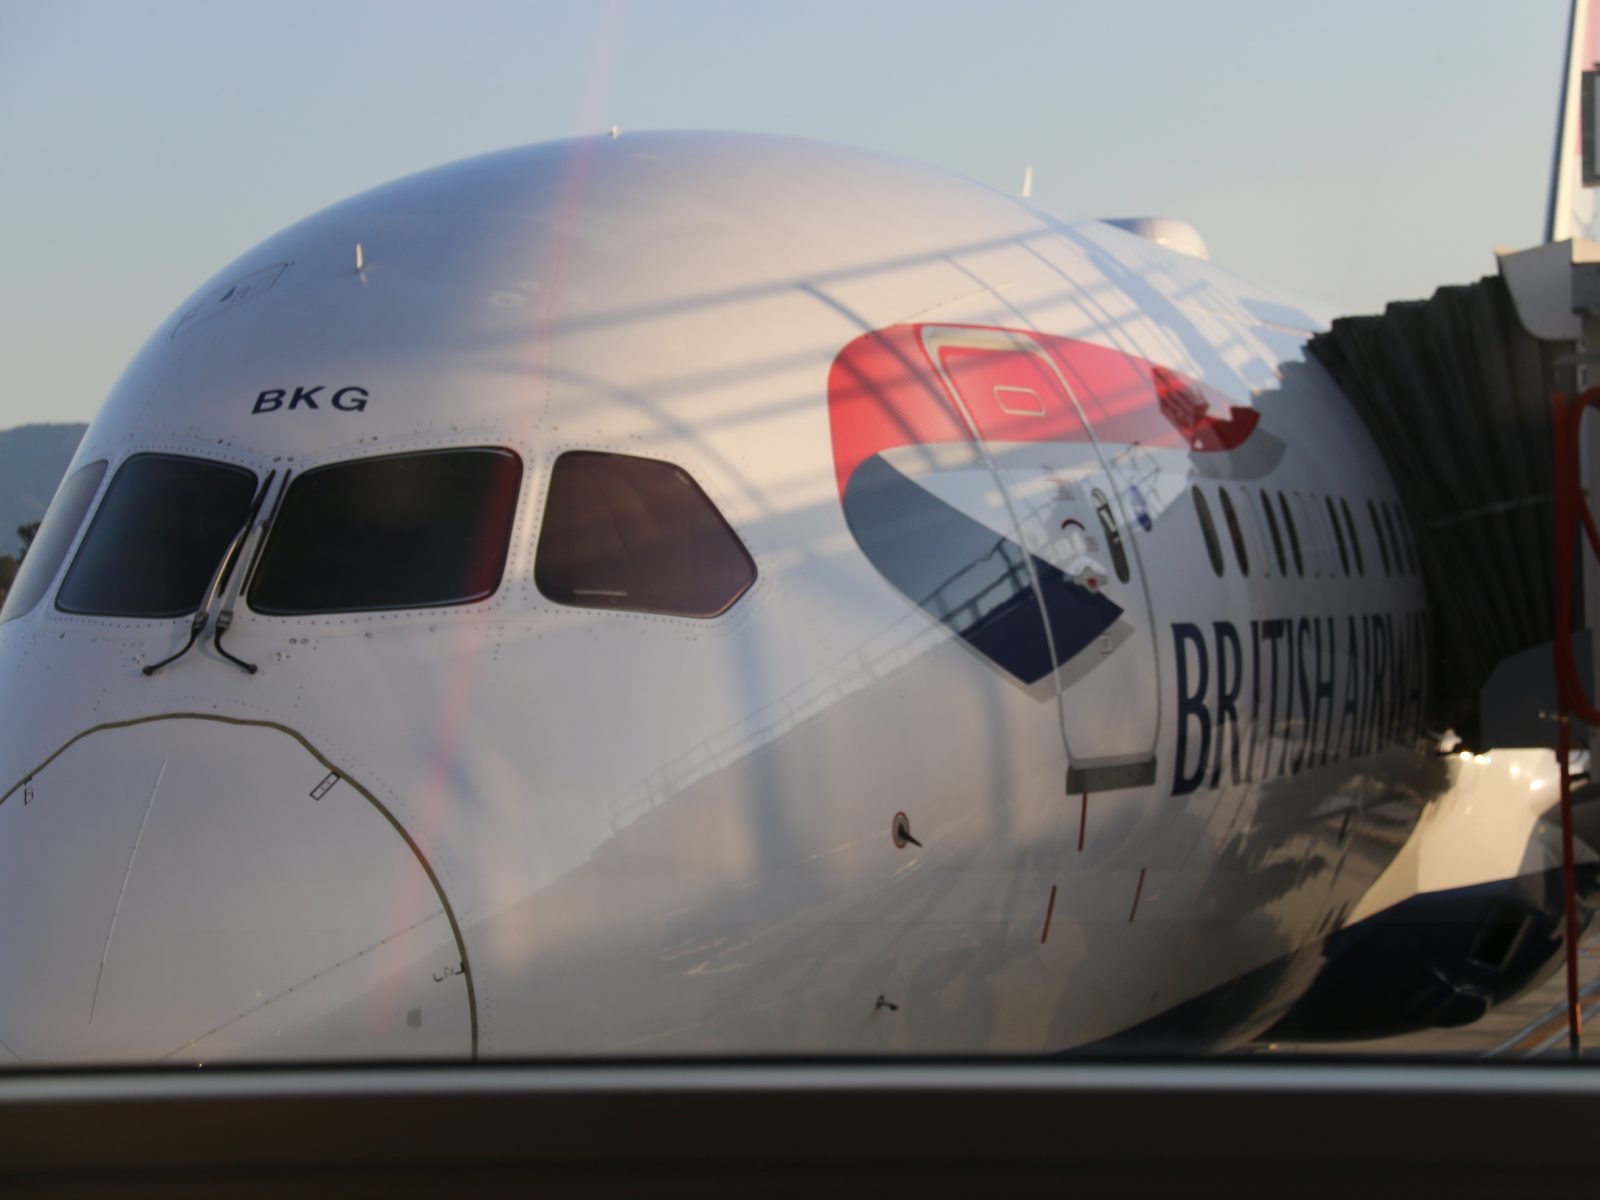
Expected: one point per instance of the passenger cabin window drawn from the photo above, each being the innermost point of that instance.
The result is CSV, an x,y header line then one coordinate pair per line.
x,y
1314,543
1208,531
400,531
1383,542
1235,534
1338,535
637,534
1355,538
61,523
1294,536
1277,540
1391,518
158,537
1412,549
1108,526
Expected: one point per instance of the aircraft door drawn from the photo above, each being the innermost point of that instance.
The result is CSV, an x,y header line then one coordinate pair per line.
x,y
1081,531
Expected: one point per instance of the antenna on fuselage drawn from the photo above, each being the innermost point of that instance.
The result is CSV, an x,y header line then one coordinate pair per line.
x,y
1027,183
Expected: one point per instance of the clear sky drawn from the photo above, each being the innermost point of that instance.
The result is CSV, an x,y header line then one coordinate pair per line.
x,y
1356,152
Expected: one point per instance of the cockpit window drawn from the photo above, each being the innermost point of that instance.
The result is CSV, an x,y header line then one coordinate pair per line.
x,y
61,523
637,533
158,536
402,531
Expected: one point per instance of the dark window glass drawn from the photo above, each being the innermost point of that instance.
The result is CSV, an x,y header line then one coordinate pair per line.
x,y
1315,549
1108,525
1277,540
1383,542
1392,519
1392,538
1209,530
61,523
1294,536
1338,535
1414,550
639,534
1355,538
401,531
158,537
1235,534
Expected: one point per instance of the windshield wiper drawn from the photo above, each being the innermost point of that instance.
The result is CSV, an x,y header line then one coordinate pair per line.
x,y
198,621
251,553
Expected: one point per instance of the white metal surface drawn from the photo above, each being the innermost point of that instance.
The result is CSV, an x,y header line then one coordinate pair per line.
x,y
665,835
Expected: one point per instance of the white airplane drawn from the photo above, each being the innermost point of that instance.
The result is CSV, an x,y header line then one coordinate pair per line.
x,y
699,593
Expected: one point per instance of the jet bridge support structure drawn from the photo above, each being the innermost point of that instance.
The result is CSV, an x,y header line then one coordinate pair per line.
x,y
1457,392
1467,395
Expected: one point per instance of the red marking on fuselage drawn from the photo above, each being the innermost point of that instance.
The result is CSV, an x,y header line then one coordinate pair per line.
x,y
884,391
1048,913
1137,892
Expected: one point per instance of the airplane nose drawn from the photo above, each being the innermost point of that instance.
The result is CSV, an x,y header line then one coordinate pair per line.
x,y
191,889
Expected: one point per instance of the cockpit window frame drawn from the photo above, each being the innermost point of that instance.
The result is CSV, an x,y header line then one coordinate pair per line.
x,y
552,578
17,603
114,477
506,574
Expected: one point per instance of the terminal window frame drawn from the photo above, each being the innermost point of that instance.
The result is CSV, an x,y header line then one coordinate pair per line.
x,y
157,537
417,529
626,533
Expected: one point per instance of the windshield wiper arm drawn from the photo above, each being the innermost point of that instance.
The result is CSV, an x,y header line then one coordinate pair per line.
x,y
198,621
251,553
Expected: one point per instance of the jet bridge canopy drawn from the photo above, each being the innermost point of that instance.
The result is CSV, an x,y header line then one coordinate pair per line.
x,y
1457,394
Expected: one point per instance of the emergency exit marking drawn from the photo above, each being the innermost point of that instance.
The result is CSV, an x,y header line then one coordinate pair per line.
x,y
326,786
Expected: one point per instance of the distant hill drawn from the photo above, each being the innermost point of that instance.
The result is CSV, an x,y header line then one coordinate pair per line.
x,y
32,460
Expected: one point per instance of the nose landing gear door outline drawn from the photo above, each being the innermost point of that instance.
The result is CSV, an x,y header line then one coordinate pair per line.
x,y
1068,512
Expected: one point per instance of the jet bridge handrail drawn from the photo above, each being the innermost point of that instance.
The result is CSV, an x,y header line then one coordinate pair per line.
x,y
1571,510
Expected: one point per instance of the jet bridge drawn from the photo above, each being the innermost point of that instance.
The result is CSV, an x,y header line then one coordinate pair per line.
x,y
1476,399
1457,391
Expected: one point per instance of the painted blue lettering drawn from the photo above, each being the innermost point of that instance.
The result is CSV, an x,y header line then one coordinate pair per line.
x,y
1191,705
1230,678
1345,746
1324,688
1302,755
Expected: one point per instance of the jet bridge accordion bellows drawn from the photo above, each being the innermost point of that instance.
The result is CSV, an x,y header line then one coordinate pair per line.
x,y
1456,393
